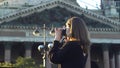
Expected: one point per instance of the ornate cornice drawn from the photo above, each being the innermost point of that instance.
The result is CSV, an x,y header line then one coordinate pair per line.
x,y
103,30
34,27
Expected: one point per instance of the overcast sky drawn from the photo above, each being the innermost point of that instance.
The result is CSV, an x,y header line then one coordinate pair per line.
x,y
90,4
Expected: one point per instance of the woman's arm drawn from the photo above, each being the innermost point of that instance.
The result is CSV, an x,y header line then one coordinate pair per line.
x,y
57,55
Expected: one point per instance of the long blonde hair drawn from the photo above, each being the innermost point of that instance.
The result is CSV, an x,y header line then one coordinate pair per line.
x,y
79,31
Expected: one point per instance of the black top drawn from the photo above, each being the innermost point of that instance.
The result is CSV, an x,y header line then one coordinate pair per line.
x,y
69,56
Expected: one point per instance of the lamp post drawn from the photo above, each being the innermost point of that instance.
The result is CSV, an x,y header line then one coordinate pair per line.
x,y
43,47
45,57
44,43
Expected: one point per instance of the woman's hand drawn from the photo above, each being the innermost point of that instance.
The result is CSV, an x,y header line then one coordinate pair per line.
x,y
58,32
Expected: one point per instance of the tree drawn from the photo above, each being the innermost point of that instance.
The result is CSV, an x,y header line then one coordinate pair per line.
x,y
25,63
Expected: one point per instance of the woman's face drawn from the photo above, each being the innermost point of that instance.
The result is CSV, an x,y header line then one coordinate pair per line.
x,y
67,30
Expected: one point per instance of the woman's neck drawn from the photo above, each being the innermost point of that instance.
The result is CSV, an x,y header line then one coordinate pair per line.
x,y
72,39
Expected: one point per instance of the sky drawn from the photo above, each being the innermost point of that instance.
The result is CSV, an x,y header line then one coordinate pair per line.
x,y
90,4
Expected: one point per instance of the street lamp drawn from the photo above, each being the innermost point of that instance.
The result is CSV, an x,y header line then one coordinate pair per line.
x,y
43,48
50,45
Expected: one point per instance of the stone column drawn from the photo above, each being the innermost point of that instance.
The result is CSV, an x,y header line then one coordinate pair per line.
x,y
7,55
88,63
118,59
106,56
28,47
112,60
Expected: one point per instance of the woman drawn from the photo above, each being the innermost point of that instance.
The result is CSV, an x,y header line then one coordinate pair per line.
x,y
73,53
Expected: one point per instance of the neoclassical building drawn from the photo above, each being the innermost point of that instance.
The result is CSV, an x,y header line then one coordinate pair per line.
x,y
17,28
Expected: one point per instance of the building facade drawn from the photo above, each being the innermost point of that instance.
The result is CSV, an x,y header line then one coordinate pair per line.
x,y
17,38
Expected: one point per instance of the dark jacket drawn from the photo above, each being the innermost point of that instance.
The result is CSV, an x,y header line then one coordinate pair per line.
x,y
69,56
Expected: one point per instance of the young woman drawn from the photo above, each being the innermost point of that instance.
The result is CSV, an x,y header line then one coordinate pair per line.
x,y
73,53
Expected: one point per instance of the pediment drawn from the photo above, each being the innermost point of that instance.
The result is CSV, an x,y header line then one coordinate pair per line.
x,y
56,13
56,16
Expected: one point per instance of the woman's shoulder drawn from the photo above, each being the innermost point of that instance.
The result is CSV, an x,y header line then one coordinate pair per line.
x,y
74,46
